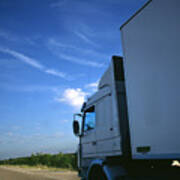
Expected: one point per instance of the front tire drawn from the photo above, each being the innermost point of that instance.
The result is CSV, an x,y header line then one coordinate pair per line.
x,y
97,174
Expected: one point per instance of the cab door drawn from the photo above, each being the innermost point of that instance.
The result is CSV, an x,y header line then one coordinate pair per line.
x,y
88,139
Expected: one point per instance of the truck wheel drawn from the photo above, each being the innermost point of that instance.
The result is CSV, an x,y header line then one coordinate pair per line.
x,y
97,174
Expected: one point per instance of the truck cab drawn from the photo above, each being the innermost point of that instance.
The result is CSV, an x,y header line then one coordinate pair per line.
x,y
104,127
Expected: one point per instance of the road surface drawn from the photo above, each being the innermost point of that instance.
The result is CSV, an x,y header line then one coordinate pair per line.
x,y
10,173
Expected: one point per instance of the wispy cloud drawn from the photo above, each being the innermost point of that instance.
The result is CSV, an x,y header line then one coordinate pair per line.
x,y
59,49
34,63
13,37
58,4
9,133
64,121
55,73
16,128
29,88
23,58
79,61
92,86
58,74
87,30
6,35
54,43
85,38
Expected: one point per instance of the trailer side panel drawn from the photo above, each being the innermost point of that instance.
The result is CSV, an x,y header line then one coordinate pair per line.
x,y
151,47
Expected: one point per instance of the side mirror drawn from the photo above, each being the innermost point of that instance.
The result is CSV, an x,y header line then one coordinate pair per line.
x,y
76,127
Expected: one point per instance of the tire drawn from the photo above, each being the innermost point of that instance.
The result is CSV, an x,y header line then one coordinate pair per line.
x,y
97,174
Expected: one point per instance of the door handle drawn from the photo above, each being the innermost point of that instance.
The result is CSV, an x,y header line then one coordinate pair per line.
x,y
94,143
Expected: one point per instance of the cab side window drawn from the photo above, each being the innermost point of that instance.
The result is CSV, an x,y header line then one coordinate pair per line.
x,y
90,119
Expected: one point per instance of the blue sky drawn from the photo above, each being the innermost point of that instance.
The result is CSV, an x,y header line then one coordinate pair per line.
x,y
52,53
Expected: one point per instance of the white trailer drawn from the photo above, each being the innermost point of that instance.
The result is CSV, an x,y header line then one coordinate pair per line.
x,y
130,126
151,46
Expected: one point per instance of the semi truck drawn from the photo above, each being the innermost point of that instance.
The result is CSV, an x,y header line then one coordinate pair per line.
x,y
130,128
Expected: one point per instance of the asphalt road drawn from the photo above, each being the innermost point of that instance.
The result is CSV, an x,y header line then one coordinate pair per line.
x,y
20,174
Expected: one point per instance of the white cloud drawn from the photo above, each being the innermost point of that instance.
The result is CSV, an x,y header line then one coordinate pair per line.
x,y
34,63
73,97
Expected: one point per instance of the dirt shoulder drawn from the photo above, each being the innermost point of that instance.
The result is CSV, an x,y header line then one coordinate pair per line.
x,y
37,173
